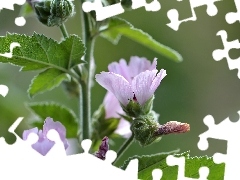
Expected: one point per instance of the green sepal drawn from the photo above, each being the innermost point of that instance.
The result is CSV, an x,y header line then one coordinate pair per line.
x,y
134,109
127,118
148,105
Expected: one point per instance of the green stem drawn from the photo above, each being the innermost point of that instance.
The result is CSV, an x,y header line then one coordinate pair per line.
x,y
123,148
85,100
64,31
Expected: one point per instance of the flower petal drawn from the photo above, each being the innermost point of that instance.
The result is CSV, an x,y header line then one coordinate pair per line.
x,y
116,84
27,132
157,80
113,109
138,65
120,68
124,128
112,106
141,86
50,124
43,146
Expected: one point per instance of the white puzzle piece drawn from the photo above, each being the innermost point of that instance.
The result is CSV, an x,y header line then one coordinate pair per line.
x,y
173,14
229,131
219,54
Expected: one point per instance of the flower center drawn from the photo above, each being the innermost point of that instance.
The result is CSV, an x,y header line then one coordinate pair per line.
x,y
134,98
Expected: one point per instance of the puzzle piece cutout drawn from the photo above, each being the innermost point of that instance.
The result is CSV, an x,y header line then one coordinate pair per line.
x,y
103,13
232,17
157,174
173,14
12,46
229,131
219,54
23,160
3,90
180,162
9,4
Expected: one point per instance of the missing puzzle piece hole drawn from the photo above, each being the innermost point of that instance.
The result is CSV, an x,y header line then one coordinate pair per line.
x,y
20,21
157,174
234,53
3,90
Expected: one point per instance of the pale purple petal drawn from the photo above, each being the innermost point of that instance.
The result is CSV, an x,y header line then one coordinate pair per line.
x,y
27,132
120,68
154,64
138,65
43,145
112,106
112,110
157,80
116,84
124,128
50,124
141,86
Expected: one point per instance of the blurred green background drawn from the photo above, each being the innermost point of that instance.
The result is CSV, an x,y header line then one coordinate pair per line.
x,y
192,89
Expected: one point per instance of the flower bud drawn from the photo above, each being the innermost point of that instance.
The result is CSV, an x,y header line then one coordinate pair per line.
x,y
147,130
53,12
103,148
144,128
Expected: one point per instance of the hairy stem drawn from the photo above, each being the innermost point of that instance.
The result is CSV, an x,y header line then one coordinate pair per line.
x,y
123,148
64,31
85,99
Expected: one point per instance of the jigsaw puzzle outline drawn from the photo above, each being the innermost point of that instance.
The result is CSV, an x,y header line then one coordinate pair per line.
x,y
220,54
9,4
55,152
232,17
173,14
103,13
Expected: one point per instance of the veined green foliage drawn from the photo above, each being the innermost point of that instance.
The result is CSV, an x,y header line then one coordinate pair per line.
x,y
37,52
119,27
58,112
148,163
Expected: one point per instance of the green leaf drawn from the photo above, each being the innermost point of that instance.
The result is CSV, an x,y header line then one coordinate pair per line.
x,y
192,164
118,27
39,52
46,81
59,113
102,127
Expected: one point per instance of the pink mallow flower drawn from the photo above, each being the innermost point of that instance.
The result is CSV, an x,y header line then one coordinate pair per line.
x,y
112,106
44,144
112,110
132,82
